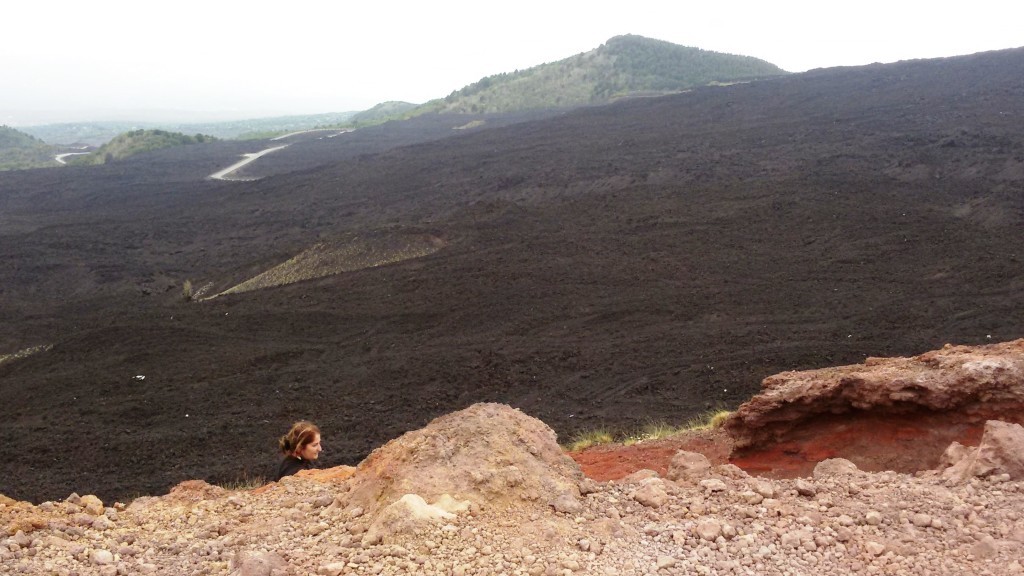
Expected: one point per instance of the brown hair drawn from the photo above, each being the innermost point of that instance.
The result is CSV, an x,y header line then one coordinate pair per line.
x,y
301,433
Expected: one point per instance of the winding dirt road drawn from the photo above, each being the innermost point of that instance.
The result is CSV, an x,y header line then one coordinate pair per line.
x,y
223,174
60,157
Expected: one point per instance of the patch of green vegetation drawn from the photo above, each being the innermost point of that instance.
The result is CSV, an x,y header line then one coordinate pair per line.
x,y
382,112
137,142
78,133
379,114
19,150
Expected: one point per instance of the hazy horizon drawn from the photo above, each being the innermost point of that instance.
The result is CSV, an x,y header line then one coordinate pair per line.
x,y
143,116
197,62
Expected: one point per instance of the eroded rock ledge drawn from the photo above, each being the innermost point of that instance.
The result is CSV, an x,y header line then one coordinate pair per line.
x,y
885,414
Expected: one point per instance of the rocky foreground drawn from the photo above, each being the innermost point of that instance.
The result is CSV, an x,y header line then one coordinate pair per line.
x,y
487,490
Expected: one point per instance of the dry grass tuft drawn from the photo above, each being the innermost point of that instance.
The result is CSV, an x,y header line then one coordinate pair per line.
x,y
708,421
584,440
244,482
654,430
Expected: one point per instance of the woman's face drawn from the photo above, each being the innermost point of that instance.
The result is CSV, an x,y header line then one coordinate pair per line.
x,y
310,451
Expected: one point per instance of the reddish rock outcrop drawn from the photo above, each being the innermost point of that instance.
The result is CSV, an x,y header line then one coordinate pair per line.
x,y
1001,451
487,454
887,413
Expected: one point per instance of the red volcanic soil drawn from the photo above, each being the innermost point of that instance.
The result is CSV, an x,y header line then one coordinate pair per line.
x,y
904,442
874,442
603,267
616,461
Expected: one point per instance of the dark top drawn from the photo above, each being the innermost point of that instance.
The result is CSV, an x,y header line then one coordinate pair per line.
x,y
290,465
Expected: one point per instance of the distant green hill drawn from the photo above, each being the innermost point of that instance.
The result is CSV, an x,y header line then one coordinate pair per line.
x,y
383,111
97,133
623,66
20,150
136,142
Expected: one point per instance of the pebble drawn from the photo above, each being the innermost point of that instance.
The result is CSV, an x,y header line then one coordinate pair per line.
x,y
921,520
101,557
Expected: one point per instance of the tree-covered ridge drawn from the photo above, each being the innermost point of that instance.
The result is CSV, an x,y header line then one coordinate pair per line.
x,y
12,138
137,142
19,150
623,66
381,112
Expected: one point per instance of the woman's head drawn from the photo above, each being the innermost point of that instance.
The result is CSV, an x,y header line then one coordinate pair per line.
x,y
302,441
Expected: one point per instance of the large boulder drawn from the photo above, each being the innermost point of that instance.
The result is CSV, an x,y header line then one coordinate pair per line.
x,y
488,455
688,467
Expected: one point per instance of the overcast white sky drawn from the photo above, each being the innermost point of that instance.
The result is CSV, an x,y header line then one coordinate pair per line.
x,y
76,60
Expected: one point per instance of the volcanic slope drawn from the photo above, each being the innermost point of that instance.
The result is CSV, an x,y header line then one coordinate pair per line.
x,y
644,260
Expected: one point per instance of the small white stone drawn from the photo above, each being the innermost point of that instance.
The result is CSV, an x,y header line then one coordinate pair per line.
x,y
709,529
921,520
101,557
332,569
713,485
751,497
875,548
805,488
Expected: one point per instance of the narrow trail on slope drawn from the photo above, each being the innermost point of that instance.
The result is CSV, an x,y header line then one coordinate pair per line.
x,y
223,174
290,134
60,157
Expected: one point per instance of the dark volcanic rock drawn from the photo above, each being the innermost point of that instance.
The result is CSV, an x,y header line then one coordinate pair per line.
x,y
647,260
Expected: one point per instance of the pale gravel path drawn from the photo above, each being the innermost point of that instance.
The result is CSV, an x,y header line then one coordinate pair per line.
x,y
223,174
60,157
290,134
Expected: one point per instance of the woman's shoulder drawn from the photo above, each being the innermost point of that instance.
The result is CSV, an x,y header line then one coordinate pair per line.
x,y
290,465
